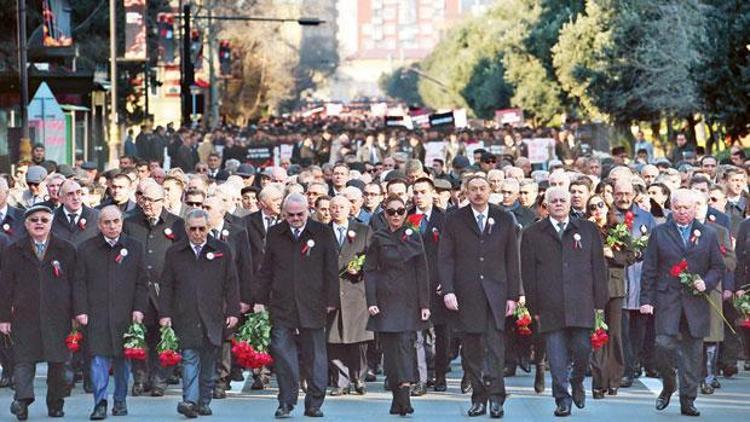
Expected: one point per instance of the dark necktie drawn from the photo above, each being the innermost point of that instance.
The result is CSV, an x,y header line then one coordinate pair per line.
x,y
296,234
72,221
480,222
341,230
560,229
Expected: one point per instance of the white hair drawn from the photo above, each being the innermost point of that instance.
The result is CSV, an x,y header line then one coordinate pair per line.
x,y
683,196
556,192
354,191
295,198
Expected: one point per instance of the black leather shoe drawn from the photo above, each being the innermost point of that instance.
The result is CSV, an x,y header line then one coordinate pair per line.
x,y
663,400
706,388
626,382
652,373
465,385
418,390
579,395
205,410
477,409
611,391
219,393
360,388
729,371
137,389
525,364
496,410
283,411
120,408
236,375
5,381
715,384
157,392
539,379
338,391
314,412
258,384
597,394
100,411
20,409
173,380
370,376
510,371
187,409
440,386
689,410
55,413
562,410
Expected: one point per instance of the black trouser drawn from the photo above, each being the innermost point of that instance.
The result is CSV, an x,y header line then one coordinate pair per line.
x,y
312,350
633,334
399,356
608,362
348,363
23,374
442,351
564,346
485,362
374,354
731,348
688,352
6,355
150,371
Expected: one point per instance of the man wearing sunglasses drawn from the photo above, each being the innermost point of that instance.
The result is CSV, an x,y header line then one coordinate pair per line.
x,y
39,299
299,283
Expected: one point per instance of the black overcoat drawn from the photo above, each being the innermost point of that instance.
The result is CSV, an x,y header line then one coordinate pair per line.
x,y
112,290
481,269
431,241
38,304
236,238
86,228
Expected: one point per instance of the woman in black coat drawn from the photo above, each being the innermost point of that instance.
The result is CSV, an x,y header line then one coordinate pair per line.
x,y
398,298
608,362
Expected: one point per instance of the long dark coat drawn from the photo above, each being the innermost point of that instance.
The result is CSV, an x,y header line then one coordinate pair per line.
x,y
397,281
38,304
239,244
564,282
481,269
349,323
199,293
431,241
298,287
742,251
112,290
665,293
13,224
79,234
256,231
155,244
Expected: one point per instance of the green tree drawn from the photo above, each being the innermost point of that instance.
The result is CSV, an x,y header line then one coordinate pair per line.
x,y
401,84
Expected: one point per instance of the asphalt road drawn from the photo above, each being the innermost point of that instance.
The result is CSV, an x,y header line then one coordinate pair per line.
x,y
730,403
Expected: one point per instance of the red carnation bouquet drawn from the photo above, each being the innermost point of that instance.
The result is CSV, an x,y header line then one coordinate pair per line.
x,y
252,340
414,221
599,336
688,279
134,347
73,340
523,320
742,304
167,348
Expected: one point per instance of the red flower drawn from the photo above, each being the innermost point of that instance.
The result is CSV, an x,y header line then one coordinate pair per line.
x,y
73,340
414,220
629,217
745,323
435,235
524,331
678,268
723,250
169,358
134,353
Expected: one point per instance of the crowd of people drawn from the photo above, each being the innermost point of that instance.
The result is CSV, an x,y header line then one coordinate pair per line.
x,y
187,233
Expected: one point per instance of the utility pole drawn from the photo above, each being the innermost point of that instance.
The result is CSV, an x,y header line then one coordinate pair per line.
x,y
114,121
23,74
213,119
188,71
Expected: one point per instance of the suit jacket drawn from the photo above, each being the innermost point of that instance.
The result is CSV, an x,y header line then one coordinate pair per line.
x,y
736,213
348,324
718,217
112,290
565,280
431,240
482,269
86,228
13,224
198,293
257,232
668,297
297,286
38,303
236,238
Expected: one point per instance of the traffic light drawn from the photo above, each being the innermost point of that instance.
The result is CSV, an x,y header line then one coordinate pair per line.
x,y
166,37
225,57
196,49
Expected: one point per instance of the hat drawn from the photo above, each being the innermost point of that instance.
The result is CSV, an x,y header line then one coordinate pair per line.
x,y
89,165
460,162
245,170
394,174
36,208
442,185
65,170
35,174
357,184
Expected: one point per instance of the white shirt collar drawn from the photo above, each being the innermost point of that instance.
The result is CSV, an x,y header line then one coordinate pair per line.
x,y
485,213
427,213
4,211
76,213
336,227
556,222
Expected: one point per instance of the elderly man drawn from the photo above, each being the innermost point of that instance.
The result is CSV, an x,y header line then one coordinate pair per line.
x,y
40,297
682,313
53,182
259,222
479,272
511,193
299,283
495,177
564,276
74,221
528,191
559,179
157,230
199,297
112,271
354,195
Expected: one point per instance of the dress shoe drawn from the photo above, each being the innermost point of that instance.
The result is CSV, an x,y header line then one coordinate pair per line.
x,y
404,400
314,412
626,382
539,379
440,386
120,408
652,373
706,388
510,371
496,410
5,381
563,409
477,409
157,392
236,375
688,409
219,393
173,380
20,408
55,413
360,388
205,410
430,382
525,364
100,411
597,394
715,384
258,384
370,376
663,400
611,391
339,391
137,389
419,389
729,371
283,411
638,372
465,385
187,409
579,395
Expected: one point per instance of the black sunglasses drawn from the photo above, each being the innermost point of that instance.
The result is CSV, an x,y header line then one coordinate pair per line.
x,y
599,205
393,211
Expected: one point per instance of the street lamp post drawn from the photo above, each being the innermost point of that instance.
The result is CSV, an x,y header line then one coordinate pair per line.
x,y
114,123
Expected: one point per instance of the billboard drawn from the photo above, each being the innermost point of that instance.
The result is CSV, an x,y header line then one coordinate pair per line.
x,y
135,29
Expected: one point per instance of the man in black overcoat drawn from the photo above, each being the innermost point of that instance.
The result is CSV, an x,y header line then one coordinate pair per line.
x,y
74,221
259,222
682,313
38,302
112,272
299,283
200,298
565,281
157,230
11,226
479,272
